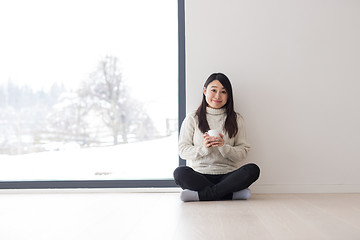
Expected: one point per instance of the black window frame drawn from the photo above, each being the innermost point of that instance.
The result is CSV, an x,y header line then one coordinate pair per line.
x,y
160,183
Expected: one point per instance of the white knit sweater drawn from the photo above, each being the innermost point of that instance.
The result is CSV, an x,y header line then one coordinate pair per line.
x,y
213,160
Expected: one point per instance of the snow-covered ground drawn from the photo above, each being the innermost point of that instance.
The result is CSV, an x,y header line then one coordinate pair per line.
x,y
155,159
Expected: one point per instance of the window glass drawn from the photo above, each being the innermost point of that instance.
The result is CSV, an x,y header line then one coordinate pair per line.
x,y
88,89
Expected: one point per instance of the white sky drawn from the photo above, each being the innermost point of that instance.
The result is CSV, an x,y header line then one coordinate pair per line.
x,y
44,41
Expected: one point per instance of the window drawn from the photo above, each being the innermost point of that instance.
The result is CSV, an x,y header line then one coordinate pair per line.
x,y
89,92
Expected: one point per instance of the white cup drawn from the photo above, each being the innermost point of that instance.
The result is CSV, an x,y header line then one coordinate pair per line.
x,y
214,133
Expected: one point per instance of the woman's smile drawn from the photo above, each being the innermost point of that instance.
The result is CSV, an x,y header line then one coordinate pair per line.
x,y
215,94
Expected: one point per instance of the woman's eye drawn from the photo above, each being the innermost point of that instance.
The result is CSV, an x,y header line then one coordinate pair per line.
x,y
224,92
213,90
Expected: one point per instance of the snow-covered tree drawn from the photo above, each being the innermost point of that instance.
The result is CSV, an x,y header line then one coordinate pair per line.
x,y
68,118
109,95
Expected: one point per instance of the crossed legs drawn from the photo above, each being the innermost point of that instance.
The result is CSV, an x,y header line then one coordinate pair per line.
x,y
216,187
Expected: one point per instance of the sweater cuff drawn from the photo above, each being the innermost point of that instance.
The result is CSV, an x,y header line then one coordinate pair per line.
x,y
203,151
224,149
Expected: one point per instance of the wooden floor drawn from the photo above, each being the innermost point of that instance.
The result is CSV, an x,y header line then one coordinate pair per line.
x,y
107,216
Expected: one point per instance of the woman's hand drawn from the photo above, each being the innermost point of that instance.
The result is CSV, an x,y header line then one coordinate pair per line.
x,y
213,141
219,141
208,140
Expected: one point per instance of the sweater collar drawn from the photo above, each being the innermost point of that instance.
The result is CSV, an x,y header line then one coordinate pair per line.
x,y
215,111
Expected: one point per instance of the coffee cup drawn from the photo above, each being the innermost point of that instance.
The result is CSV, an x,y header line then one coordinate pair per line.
x,y
213,133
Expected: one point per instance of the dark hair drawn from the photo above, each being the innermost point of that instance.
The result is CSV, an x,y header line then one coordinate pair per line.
x,y
231,126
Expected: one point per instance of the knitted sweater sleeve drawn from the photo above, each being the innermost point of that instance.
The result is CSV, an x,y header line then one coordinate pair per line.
x,y
240,148
187,149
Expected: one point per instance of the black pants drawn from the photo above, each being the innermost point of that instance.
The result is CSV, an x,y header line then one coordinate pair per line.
x,y
216,187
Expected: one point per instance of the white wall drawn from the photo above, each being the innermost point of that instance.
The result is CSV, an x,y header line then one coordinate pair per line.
x,y
295,70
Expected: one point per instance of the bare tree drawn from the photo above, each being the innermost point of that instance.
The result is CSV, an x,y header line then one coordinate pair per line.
x,y
107,90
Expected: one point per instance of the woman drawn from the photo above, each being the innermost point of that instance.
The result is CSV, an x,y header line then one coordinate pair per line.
x,y
214,170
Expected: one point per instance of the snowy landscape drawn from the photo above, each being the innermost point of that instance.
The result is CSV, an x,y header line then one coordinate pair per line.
x,y
155,159
95,104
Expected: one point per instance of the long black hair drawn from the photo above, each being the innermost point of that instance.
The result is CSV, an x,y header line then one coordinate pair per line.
x,y
231,126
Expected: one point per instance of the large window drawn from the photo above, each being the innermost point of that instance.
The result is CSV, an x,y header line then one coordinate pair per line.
x,y
89,92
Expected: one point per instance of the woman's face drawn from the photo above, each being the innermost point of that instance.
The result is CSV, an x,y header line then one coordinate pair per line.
x,y
215,94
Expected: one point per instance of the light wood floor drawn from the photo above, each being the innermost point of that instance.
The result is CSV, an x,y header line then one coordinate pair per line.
x,y
90,216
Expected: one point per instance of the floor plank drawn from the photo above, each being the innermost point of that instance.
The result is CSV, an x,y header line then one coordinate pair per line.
x,y
163,216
